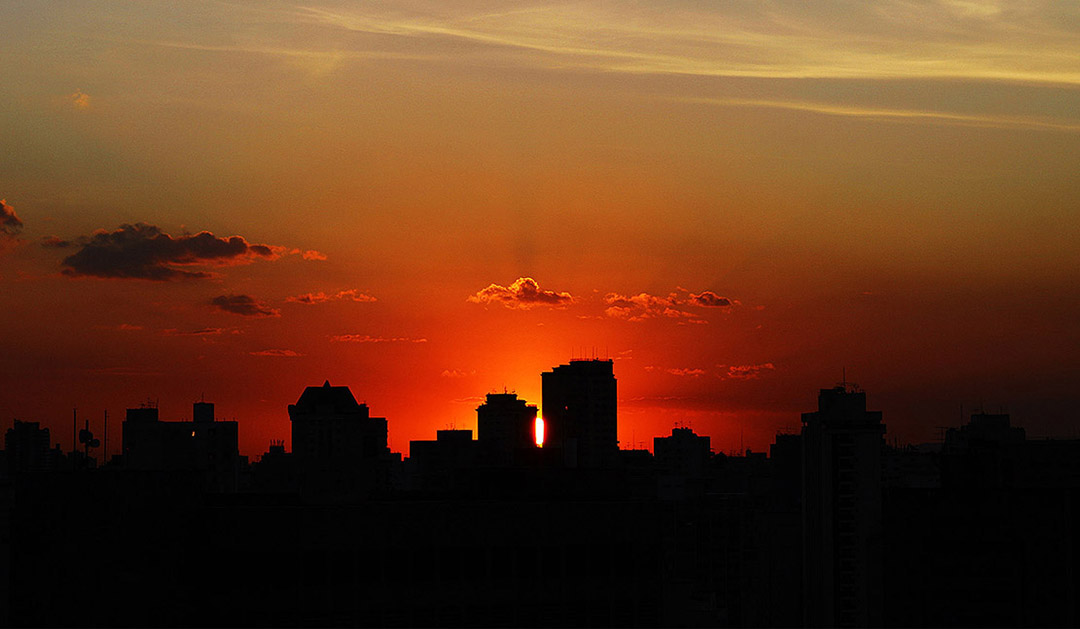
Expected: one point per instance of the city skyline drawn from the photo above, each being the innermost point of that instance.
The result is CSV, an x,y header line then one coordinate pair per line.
x,y
429,203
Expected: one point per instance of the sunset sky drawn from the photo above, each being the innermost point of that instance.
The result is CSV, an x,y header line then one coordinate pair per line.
x,y
431,201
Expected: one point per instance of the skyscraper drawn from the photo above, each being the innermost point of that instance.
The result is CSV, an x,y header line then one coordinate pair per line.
x,y
580,411
842,444
505,425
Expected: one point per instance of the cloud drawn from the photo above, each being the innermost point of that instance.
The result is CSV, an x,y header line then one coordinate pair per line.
x,y
524,293
317,298
311,254
364,338
1029,42
201,332
747,372
10,223
276,353
682,372
55,242
245,305
143,251
79,99
644,306
709,299
457,373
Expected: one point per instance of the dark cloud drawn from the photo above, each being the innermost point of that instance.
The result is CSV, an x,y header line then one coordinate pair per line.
x,y
55,242
317,298
245,305
524,293
10,223
143,251
709,299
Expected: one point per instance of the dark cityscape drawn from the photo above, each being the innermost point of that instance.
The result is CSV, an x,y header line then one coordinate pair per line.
x,y
833,526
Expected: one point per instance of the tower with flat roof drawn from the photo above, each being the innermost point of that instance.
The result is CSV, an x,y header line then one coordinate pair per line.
x,y
579,402
505,425
842,527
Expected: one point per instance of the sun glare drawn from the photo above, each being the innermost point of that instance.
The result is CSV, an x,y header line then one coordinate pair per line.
x,y
539,428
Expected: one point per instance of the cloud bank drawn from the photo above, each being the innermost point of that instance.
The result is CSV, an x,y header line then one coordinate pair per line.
x,y
143,251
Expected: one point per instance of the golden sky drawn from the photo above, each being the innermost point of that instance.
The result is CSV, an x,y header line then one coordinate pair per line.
x,y
431,201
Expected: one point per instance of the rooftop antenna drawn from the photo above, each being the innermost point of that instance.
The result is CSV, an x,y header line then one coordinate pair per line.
x,y
105,440
74,430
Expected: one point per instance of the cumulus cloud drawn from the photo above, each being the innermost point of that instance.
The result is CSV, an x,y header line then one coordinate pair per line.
x,y
143,251
10,223
320,297
276,353
747,372
674,305
364,338
524,293
245,305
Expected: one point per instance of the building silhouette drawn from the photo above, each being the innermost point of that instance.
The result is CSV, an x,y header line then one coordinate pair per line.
x,y
505,426
204,444
26,447
339,449
581,412
842,506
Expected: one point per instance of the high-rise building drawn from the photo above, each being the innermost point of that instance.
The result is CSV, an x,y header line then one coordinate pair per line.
x,y
505,425
580,411
842,526
337,445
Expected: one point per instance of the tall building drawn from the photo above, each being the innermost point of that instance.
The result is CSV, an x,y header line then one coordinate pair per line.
x,y
842,526
505,425
580,411
339,448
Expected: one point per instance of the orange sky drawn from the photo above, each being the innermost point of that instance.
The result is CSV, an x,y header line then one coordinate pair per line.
x,y
889,188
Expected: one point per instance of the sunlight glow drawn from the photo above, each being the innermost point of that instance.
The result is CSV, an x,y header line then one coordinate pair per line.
x,y
539,427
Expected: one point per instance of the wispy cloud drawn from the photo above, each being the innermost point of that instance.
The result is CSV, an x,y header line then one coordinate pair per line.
x,y
747,372
987,120
682,372
365,338
1030,42
276,353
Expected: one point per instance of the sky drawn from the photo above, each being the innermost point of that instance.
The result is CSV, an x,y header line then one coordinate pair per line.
x,y
736,202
